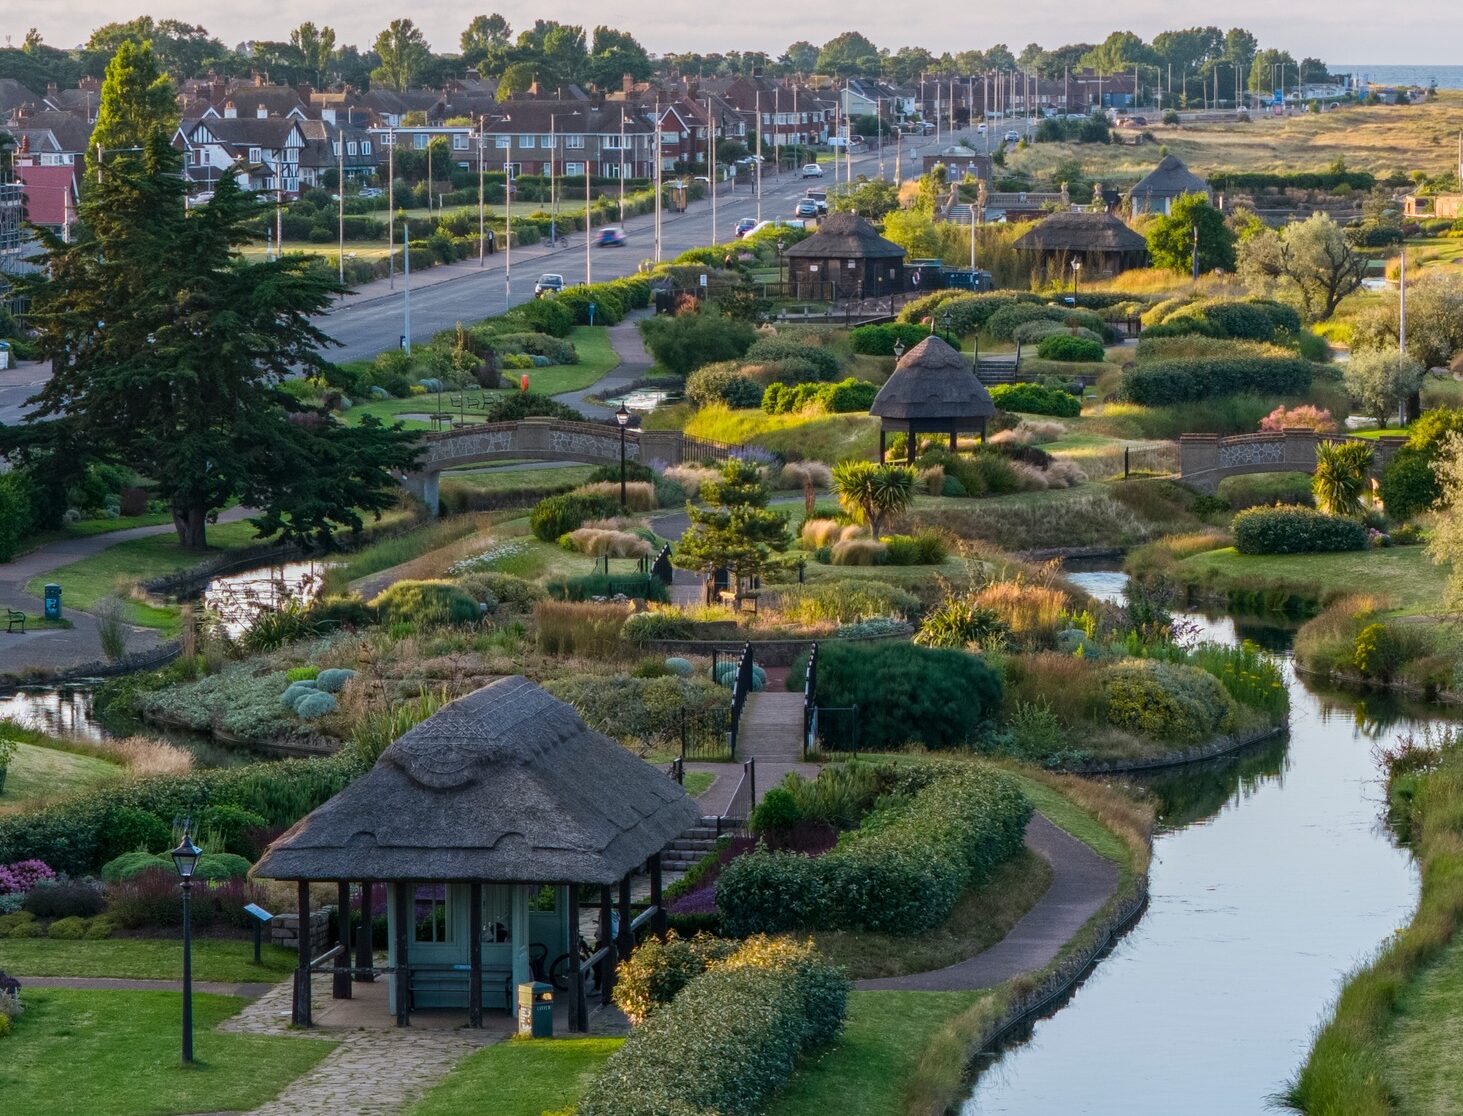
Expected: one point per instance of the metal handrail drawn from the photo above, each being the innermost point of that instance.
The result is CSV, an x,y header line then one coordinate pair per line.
x,y
810,701
741,687
661,567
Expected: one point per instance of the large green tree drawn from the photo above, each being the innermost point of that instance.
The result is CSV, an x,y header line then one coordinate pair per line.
x,y
403,51
168,349
316,46
737,531
615,54
849,55
487,44
1171,237
1314,261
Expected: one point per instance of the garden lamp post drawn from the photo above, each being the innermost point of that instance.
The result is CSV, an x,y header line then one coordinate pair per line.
x,y
1076,268
781,244
185,859
622,416
898,349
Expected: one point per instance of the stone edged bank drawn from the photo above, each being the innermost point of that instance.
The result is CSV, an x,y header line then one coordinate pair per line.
x,y
1210,749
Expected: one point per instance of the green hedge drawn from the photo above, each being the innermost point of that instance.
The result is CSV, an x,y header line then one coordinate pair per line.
x,y
879,340
1295,530
729,1040
945,829
1002,324
1163,382
841,398
685,342
773,350
73,836
558,515
1036,399
1166,701
906,694
723,382
1409,484
1064,346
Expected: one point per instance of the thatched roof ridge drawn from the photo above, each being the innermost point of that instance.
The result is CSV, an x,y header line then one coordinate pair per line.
x,y
506,785
1080,232
846,236
1170,178
931,382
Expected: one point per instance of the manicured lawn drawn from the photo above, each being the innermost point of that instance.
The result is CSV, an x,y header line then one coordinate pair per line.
x,y
866,1072
398,548
510,480
1405,574
981,918
37,772
86,582
822,437
697,783
1065,814
522,1077
117,1053
228,960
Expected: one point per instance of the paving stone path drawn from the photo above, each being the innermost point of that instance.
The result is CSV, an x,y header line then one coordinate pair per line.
x,y
635,362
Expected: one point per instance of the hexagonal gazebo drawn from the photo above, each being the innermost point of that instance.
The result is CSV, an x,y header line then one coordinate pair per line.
x,y
934,390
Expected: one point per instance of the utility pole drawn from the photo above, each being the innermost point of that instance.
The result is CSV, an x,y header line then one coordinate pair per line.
x,y
340,196
658,152
406,303
711,163
620,172
588,265
482,218
391,208
762,147
508,223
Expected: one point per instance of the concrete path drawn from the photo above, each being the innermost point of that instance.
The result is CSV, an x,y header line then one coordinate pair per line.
x,y
1081,883
250,991
61,648
635,362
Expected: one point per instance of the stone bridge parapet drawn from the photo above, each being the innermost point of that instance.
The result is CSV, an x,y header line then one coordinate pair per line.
x,y
1206,459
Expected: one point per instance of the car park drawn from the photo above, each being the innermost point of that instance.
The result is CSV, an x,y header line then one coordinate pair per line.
x,y
548,284
812,170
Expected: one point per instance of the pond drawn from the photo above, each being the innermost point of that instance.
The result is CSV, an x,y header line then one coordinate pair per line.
x,y
640,400
237,598
1272,877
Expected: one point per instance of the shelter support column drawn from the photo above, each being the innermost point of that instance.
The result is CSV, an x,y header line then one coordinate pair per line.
x,y
657,900
365,953
626,942
300,1007
607,941
578,1010
340,988
402,930
475,954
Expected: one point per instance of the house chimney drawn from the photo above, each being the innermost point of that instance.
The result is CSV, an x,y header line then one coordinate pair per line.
x,y
328,115
51,90
627,83
230,111
261,112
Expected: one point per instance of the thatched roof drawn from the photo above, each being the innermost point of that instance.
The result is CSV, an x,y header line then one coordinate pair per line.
x,y
505,785
1171,178
932,382
1080,232
843,236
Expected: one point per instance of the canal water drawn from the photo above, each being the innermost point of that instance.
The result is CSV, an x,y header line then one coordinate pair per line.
x,y
1272,877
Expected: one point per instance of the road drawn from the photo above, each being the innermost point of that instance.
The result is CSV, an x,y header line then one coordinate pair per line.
x,y
372,318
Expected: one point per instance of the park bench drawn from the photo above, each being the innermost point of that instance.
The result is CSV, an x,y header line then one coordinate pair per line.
x,y
14,618
452,978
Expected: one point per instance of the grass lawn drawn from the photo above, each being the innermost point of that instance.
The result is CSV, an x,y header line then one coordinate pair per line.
x,y
511,480
866,1071
697,783
1405,574
117,1053
84,583
228,960
1423,1060
822,437
36,773
398,548
524,1077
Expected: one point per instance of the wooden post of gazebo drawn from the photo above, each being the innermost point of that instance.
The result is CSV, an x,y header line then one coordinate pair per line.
x,y
340,988
365,940
607,942
402,975
300,1013
658,921
475,954
578,1010
625,944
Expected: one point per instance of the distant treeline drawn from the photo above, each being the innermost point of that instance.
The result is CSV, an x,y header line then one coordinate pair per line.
x,y
1307,180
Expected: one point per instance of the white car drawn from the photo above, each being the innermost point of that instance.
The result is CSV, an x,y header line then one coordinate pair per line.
x,y
1012,137
812,170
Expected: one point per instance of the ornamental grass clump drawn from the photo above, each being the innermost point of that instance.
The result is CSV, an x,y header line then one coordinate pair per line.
x,y
943,829
580,628
729,1040
844,600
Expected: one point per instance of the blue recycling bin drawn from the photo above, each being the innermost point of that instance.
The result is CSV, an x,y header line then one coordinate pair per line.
x,y
53,601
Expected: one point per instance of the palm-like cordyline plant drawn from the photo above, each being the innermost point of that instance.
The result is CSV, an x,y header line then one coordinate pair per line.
x,y
872,492
1340,479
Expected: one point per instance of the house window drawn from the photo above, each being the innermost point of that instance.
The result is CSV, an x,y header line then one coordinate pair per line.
x,y
572,169
503,142
526,142
365,147
573,141
545,141
350,148
430,914
513,170
459,143
253,154
419,141
612,143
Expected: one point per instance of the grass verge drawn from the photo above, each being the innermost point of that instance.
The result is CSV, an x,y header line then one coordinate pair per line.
x,y
226,960
524,1077
37,773
117,1052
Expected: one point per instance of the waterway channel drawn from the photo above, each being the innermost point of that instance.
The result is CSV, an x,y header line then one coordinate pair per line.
x,y
1272,877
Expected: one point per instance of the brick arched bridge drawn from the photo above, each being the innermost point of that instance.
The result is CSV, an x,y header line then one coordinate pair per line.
x,y
1206,459
548,439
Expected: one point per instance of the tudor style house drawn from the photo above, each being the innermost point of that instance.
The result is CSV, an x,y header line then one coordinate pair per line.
x,y
263,152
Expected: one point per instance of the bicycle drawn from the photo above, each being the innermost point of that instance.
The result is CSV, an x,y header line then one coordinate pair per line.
x,y
559,971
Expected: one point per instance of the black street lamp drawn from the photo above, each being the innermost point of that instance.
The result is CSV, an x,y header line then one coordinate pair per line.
x,y
622,416
185,859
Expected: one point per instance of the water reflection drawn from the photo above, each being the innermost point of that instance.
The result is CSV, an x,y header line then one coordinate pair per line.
x,y
237,598
1271,877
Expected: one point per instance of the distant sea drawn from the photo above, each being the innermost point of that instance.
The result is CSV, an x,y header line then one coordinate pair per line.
x,y
1446,77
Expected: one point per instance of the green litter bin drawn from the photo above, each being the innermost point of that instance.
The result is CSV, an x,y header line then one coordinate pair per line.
x,y
536,1009
53,601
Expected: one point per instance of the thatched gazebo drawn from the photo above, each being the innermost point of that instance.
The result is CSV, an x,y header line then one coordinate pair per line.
x,y
1103,244
472,819
1157,190
845,258
934,390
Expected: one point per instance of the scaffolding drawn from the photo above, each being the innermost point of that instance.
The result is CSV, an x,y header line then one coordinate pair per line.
x,y
12,210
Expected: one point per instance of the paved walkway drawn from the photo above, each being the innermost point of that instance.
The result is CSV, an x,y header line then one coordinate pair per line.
x,y
62,648
1081,883
635,362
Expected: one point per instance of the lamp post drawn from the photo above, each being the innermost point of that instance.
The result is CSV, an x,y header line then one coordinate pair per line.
x,y
898,349
1076,267
781,244
553,158
185,859
622,416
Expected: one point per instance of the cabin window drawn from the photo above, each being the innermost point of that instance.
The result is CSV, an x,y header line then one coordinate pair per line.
x,y
431,913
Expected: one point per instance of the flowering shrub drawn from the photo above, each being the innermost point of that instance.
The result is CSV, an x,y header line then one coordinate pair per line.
x,y
10,1005
655,972
23,875
1305,417
488,559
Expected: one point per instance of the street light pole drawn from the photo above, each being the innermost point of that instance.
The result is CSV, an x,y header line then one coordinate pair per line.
x,y
760,148
482,230
340,196
185,860
588,278
622,416
711,163
391,208
620,171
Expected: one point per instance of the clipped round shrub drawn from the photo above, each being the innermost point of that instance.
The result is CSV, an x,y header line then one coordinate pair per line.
x,y
495,589
131,864
296,690
427,602
60,899
778,812
1166,701
315,704
1296,530
1002,324
726,674
680,666
951,486
128,829
222,866
1036,399
771,350
1409,484
1063,346
70,929
333,680
554,516
233,827
341,610
723,383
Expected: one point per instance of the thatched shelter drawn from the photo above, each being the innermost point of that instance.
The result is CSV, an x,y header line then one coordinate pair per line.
x,y
1099,241
1157,190
845,258
934,390
468,818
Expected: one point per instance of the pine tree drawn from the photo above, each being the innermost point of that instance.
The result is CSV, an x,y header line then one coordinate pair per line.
x,y
168,349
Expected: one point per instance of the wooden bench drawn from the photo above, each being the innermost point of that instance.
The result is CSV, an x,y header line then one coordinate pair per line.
x,y
12,618
453,978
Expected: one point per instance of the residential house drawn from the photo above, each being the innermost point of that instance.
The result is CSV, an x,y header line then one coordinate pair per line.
x,y
50,195
1156,191
14,95
958,163
53,135
615,139
362,157
262,152
864,97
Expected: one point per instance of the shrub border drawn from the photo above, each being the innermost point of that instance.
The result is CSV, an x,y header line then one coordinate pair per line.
x,y
1210,749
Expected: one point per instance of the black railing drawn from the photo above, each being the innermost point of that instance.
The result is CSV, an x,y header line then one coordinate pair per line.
x,y
836,728
810,702
1149,461
704,734
661,567
734,818
741,687
704,450
678,770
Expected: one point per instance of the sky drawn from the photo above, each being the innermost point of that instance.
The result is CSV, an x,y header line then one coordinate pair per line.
x,y
1336,31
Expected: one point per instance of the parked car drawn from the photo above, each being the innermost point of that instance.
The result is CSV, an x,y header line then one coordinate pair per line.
x,y
1012,136
372,192
611,236
818,196
745,225
812,170
548,284
806,208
